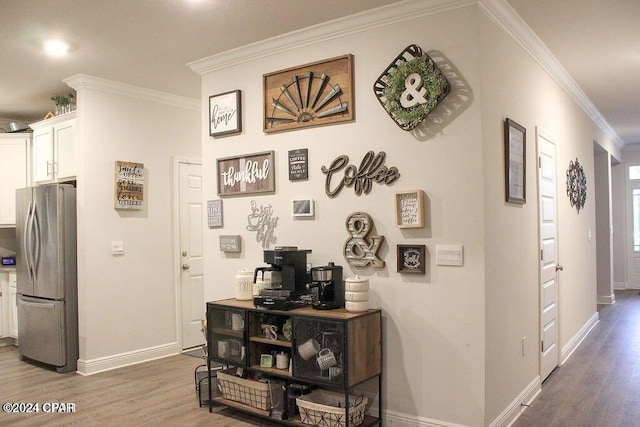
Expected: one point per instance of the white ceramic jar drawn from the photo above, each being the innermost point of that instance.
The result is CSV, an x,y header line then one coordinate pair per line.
x,y
244,284
356,295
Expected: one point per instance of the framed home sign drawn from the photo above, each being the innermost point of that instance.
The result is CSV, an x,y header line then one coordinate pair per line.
x,y
225,113
246,174
515,155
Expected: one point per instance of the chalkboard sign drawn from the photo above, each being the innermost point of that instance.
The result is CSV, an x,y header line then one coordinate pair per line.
x,y
129,185
298,164
214,213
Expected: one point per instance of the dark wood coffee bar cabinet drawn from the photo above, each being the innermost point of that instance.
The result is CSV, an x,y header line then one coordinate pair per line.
x,y
294,352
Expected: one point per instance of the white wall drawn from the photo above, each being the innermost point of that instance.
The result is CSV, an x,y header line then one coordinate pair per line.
x,y
453,338
602,164
127,304
433,324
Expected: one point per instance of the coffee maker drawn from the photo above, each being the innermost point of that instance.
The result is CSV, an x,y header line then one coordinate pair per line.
x,y
327,280
291,263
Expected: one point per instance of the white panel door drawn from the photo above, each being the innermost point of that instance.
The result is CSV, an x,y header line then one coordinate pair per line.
x,y
548,223
191,260
633,252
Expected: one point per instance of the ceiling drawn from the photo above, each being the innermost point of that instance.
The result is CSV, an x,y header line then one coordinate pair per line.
x,y
148,43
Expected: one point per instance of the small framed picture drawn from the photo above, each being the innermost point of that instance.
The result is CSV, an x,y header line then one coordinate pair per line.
x,y
411,259
410,209
515,161
266,361
302,207
225,113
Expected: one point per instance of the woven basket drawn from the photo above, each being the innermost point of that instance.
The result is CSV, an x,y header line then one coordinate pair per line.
x,y
248,392
326,408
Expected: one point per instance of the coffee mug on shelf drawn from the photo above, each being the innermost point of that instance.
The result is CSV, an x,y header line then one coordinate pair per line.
x,y
223,348
326,359
237,322
308,349
234,347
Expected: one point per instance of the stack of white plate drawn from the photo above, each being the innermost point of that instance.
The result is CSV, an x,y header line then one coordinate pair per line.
x,y
356,294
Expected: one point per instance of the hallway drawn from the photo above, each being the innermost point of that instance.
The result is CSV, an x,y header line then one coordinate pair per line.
x,y
599,386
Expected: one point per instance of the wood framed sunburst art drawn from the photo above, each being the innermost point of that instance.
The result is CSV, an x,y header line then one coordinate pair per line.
x,y
309,95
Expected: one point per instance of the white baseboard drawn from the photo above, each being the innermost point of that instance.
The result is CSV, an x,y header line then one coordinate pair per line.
x,y
513,411
101,364
398,419
574,343
619,286
606,299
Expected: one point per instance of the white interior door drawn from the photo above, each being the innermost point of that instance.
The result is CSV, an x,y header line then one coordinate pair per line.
x,y
191,268
549,353
633,250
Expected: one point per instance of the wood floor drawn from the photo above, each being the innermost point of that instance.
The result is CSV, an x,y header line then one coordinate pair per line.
x,y
156,393
599,386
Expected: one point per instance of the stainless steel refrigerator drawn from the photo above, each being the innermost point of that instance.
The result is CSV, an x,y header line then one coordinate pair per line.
x,y
47,297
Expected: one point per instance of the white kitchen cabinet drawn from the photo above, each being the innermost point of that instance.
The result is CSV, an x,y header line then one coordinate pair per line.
x,y
54,149
14,173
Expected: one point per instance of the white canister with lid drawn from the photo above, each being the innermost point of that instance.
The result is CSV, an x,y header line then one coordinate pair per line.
x,y
356,284
244,284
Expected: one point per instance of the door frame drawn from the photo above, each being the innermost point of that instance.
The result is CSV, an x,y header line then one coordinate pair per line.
x,y
177,262
628,241
540,133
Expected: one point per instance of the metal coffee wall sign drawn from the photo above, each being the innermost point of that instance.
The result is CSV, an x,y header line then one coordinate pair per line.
x,y
246,174
129,185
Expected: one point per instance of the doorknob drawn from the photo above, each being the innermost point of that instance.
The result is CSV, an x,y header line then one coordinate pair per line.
x,y
184,253
186,266
559,267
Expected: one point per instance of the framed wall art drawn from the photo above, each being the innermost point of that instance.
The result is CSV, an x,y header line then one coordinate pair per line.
x,y
309,95
515,156
411,259
214,213
409,209
129,185
298,164
246,174
225,113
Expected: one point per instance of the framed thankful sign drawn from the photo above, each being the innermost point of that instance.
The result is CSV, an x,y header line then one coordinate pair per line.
x,y
246,174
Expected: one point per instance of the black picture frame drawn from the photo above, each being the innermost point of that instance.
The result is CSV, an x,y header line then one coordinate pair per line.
x,y
515,162
225,113
411,259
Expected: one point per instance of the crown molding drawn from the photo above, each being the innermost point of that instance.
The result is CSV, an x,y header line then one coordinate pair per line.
x,y
342,27
507,18
83,81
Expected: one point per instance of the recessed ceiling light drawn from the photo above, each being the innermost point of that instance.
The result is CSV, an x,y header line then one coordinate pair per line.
x,y
56,47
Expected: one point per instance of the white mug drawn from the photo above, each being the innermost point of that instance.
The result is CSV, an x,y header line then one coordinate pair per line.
x,y
223,348
234,347
308,349
282,360
326,358
237,322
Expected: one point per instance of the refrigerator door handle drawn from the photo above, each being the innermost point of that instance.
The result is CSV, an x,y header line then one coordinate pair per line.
x,y
27,241
35,230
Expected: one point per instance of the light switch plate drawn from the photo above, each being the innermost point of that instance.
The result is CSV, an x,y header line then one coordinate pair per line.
x,y
117,248
449,255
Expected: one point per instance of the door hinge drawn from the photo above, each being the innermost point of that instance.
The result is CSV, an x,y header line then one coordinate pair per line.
x,y
541,254
539,161
541,346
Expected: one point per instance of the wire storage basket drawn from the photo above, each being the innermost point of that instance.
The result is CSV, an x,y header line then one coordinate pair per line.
x,y
249,392
327,409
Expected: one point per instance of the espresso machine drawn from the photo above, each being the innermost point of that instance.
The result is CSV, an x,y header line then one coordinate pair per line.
x,y
291,263
327,282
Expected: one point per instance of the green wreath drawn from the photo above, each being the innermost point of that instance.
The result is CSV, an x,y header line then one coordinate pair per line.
x,y
432,80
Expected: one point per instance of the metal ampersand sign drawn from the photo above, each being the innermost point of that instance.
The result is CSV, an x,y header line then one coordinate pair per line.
x,y
576,185
361,249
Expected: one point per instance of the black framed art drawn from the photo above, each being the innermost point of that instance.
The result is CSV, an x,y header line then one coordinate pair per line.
x,y
515,156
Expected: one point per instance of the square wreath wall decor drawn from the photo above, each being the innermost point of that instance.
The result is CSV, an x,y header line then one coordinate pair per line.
x,y
309,95
411,87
